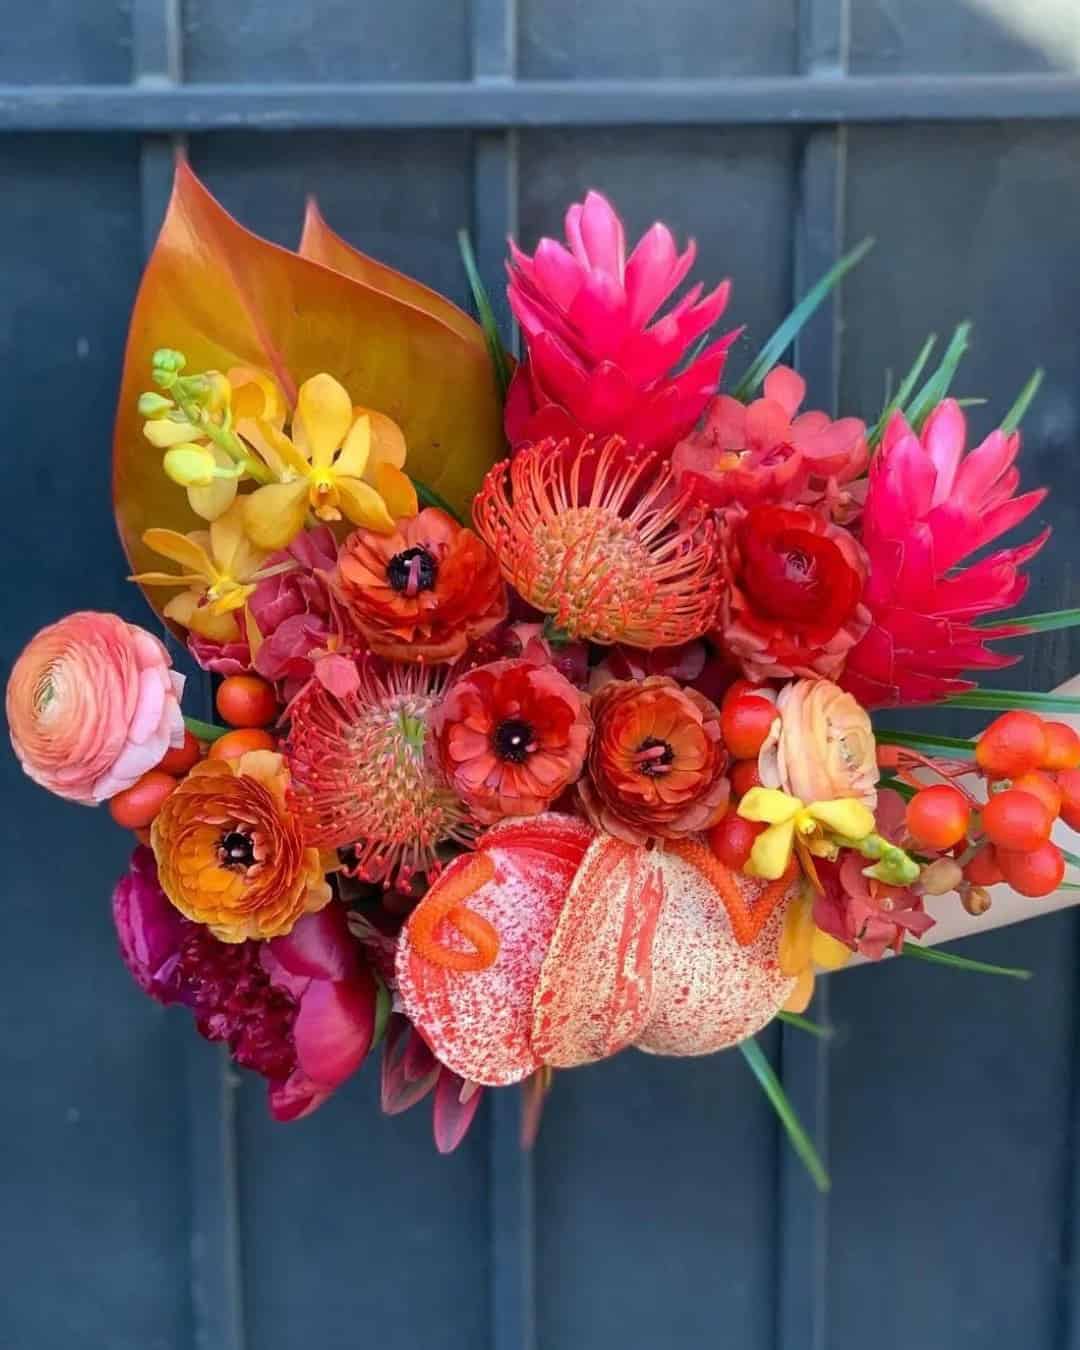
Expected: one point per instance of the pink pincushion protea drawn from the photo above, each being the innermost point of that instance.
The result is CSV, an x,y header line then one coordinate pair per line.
x,y
929,507
597,361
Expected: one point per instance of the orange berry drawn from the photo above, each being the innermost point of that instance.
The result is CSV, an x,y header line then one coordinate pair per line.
x,y
1040,785
236,743
1068,780
177,761
137,805
744,776
983,869
1012,744
1062,746
732,839
1016,820
246,701
745,723
938,816
1033,872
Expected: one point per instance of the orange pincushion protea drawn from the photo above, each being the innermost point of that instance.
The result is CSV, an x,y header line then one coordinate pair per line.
x,y
656,766
231,855
422,593
603,543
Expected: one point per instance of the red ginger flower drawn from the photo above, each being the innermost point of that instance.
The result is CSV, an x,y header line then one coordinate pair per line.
x,y
794,604
763,451
596,361
603,545
929,506
656,767
511,737
422,593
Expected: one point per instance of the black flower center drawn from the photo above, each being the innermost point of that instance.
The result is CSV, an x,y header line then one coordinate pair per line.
x,y
653,757
412,570
514,740
237,850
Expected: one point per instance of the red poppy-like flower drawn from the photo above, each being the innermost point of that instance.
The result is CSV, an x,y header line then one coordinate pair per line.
x,y
422,593
602,544
794,605
763,451
656,766
511,737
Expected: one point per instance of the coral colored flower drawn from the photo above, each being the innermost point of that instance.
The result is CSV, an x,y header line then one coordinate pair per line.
x,y
597,363
929,507
656,766
92,704
602,545
794,605
511,737
232,855
363,775
821,745
222,658
149,929
763,452
866,915
339,463
410,1072
422,593
809,827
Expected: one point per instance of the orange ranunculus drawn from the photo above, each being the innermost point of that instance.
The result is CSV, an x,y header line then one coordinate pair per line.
x,y
422,593
231,855
821,746
92,704
656,766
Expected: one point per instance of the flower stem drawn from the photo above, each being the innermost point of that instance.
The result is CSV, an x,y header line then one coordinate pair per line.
x,y
800,1141
204,731
940,958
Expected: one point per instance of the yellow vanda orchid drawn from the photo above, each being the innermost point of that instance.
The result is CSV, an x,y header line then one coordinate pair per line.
x,y
794,825
804,946
339,462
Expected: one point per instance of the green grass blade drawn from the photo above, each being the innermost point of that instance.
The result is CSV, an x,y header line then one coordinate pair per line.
x,y
800,1141
937,386
429,497
894,785
953,747
805,1024
786,334
499,359
907,386
1069,857
1015,415
1047,622
939,958
204,731
1006,699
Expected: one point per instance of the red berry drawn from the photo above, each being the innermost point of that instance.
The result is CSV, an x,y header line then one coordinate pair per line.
x,y
1068,780
733,838
1033,872
938,816
137,805
983,869
736,689
1062,746
744,776
1012,744
177,761
1016,820
745,723
1040,785
246,701
236,743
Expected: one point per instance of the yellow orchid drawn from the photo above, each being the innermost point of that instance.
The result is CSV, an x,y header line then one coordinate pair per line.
x,y
339,461
803,945
794,825
221,569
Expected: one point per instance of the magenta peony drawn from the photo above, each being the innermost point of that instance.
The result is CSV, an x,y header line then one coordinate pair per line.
x,y
149,929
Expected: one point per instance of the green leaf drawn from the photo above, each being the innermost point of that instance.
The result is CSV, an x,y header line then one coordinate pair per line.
x,y
1015,415
905,790
1005,699
800,1141
1069,857
805,1024
429,497
1035,623
937,957
786,334
499,357
937,386
204,731
971,402
907,385
383,1007
954,747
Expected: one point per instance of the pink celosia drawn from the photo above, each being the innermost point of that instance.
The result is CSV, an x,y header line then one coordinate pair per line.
x,y
929,507
596,360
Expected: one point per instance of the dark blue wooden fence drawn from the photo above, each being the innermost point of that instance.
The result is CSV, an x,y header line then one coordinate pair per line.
x,y
146,1201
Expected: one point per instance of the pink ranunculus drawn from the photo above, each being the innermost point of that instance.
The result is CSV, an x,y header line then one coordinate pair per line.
x,y
149,929
92,704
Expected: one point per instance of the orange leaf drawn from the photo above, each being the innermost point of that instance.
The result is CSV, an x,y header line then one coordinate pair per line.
x,y
225,297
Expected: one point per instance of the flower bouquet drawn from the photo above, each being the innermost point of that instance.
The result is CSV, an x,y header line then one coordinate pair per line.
x,y
542,691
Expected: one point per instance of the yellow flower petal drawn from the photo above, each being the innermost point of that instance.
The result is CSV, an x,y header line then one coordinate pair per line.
x,y
769,805
387,438
396,489
167,579
844,816
226,537
798,933
164,432
189,613
828,952
352,461
213,501
256,396
799,999
771,853
234,598
274,515
364,506
280,453
323,415
182,549
251,631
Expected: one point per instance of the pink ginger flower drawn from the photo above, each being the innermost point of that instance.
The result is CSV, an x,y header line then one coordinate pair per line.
x,y
929,507
766,451
597,361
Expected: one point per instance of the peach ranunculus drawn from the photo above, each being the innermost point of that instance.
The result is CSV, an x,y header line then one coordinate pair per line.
x,y
231,854
821,746
92,704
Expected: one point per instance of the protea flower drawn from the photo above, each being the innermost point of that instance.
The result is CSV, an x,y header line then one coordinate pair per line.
x,y
928,507
596,361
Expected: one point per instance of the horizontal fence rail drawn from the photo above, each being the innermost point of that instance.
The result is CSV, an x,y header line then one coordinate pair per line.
x,y
780,100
